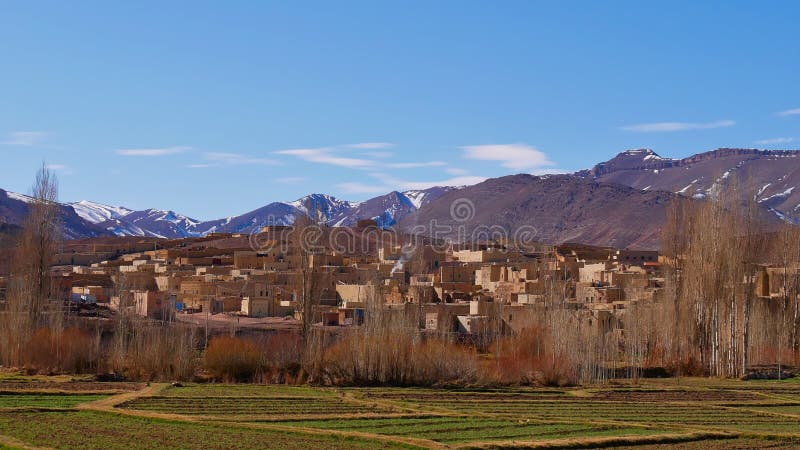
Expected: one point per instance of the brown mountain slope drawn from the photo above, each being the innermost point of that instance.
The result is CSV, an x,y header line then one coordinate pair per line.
x,y
561,208
771,176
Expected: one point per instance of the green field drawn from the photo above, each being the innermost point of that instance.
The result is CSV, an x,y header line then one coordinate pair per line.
x,y
35,400
689,413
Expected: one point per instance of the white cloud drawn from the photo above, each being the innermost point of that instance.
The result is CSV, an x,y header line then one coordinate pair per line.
x,y
414,165
152,151
789,112
389,183
780,140
369,145
512,156
676,126
325,156
61,168
199,166
25,138
455,171
366,160
379,154
237,159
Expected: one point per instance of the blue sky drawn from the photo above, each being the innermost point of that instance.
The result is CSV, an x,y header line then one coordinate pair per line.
x,y
216,108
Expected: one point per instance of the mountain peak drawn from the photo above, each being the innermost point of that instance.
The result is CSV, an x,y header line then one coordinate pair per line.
x,y
642,154
634,159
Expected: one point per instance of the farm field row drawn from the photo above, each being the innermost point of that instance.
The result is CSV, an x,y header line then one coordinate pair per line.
x,y
651,414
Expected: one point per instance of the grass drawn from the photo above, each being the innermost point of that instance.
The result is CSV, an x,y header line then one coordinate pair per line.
x,y
684,413
17,400
249,406
97,430
468,429
244,390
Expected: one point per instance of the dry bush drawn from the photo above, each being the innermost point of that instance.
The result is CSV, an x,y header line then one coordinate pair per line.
x,y
528,358
70,351
395,359
151,351
233,359
442,362
686,365
282,358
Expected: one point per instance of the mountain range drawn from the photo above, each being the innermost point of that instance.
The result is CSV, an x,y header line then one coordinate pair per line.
x,y
620,202
386,210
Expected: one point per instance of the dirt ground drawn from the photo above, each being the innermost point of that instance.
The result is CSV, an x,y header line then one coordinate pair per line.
x,y
223,322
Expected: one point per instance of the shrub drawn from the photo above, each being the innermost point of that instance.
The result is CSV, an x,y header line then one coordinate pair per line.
x,y
528,358
400,357
70,351
282,358
233,359
149,351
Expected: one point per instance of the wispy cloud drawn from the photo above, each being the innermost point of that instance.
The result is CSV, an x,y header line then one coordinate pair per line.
x,y
339,156
152,151
61,168
369,145
25,138
658,127
779,140
389,183
512,156
379,155
326,156
455,171
414,165
237,159
789,112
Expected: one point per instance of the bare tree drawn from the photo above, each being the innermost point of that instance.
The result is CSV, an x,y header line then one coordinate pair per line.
x,y
30,297
310,237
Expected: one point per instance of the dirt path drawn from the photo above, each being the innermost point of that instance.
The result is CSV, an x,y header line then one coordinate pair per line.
x,y
675,433
110,405
110,402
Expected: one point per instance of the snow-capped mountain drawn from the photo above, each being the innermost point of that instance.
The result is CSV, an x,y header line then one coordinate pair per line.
x,y
14,208
771,176
386,210
152,222
324,208
123,221
98,212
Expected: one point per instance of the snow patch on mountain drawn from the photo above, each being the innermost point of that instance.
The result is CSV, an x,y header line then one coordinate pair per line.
x,y
98,212
417,198
20,197
783,194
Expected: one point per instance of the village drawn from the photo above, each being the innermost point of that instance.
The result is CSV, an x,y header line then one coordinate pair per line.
x,y
220,282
